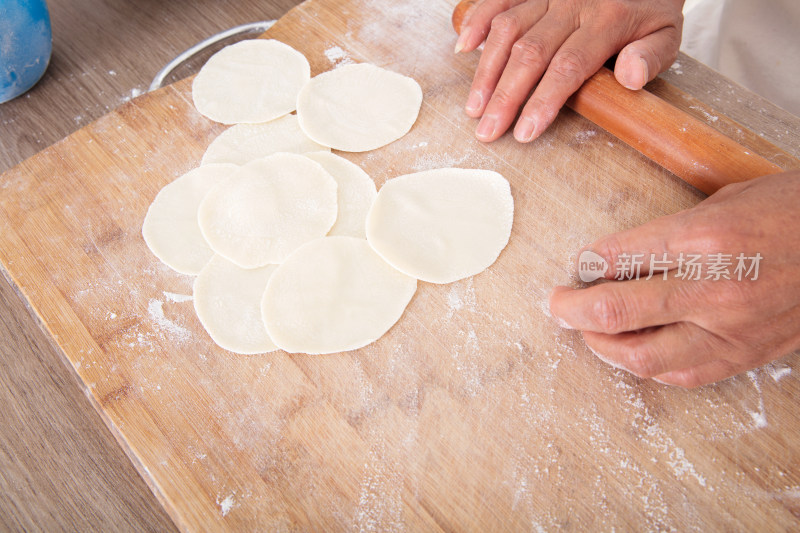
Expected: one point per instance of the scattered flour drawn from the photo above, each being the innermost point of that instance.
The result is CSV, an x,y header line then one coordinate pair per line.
x,y
337,56
709,116
461,296
136,91
759,416
584,136
380,500
155,308
777,372
227,504
659,439
177,298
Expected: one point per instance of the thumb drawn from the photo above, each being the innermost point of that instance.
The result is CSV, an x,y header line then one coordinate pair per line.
x,y
641,61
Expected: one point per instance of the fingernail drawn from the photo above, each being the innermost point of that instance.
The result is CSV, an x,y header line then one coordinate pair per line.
x,y
645,71
462,40
635,82
474,102
526,127
486,127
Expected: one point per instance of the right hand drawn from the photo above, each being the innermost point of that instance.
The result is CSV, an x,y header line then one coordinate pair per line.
x,y
555,45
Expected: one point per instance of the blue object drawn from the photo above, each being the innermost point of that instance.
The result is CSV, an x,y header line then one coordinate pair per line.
x,y
26,43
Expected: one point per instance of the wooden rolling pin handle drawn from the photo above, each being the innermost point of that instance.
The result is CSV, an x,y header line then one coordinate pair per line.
x,y
460,12
687,147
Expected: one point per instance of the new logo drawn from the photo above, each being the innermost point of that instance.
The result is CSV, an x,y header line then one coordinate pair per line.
x,y
591,266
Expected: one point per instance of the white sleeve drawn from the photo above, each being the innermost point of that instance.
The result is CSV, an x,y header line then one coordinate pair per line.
x,y
753,43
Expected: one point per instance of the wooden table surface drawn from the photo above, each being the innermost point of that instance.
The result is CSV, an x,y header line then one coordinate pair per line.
x,y
59,464
60,467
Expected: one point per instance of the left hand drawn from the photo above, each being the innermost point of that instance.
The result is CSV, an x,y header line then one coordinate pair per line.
x,y
691,332
559,44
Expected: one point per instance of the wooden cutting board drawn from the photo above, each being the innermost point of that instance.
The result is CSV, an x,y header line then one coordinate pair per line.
x,y
476,411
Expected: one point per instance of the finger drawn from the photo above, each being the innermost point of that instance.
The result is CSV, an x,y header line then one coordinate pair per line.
x,y
641,250
641,61
580,56
527,60
507,27
625,305
699,375
656,351
478,20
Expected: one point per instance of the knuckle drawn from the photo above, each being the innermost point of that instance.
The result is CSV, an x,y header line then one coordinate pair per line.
x,y
505,27
503,99
530,51
611,312
641,361
484,77
617,10
569,64
732,295
610,249
615,18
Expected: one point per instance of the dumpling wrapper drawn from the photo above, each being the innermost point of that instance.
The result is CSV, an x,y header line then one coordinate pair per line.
x,y
243,143
227,300
251,81
332,295
442,225
267,208
170,227
358,107
356,192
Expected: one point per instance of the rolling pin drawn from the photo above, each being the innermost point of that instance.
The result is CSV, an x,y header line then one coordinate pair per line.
x,y
687,147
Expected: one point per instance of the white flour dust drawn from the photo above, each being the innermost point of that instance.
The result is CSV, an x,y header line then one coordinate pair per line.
x,y
136,91
759,416
226,504
337,56
177,298
155,308
709,116
585,136
380,500
777,371
466,158
461,296
380,503
658,438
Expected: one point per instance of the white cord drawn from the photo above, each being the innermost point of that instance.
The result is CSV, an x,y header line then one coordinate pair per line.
x,y
252,27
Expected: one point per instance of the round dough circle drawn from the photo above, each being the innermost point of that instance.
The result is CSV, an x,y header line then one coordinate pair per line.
x,y
359,107
251,81
227,300
268,208
356,192
333,294
442,225
170,226
243,143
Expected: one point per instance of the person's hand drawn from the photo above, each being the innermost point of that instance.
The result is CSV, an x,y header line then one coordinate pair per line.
x,y
690,332
559,44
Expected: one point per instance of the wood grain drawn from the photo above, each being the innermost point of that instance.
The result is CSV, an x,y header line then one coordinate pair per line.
x,y
60,466
475,412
